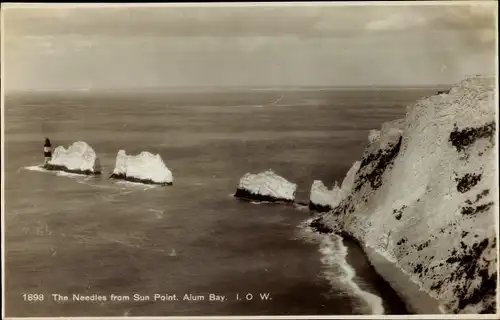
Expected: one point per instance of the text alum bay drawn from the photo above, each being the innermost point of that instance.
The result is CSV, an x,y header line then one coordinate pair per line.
x,y
99,298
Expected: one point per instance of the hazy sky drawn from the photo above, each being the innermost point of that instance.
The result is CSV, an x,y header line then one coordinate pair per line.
x,y
60,48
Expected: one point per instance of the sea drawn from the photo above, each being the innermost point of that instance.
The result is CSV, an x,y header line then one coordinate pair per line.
x,y
89,246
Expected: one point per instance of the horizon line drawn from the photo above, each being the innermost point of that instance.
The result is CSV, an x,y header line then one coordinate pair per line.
x,y
198,87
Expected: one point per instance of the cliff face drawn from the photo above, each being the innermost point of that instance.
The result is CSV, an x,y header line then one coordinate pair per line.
x,y
425,196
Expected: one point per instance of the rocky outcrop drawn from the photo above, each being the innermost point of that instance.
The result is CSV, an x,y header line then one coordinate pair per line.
x,y
143,168
79,158
266,186
425,197
322,200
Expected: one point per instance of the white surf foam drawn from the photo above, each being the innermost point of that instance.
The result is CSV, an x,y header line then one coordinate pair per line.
x,y
334,252
35,168
337,271
136,184
59,173
68,174
100,186
301,207
260,202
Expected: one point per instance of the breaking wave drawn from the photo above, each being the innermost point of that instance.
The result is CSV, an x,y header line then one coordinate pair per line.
x,y
136,184
336,269
35,168
39,168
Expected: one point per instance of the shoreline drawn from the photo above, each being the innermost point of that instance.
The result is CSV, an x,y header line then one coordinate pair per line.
x,y
408,292
366,279
416,301
392,301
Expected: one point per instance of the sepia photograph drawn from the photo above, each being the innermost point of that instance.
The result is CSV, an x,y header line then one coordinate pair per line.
x,y
292,159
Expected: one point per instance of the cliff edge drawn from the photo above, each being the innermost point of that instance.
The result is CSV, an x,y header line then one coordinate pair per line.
x,y
425,196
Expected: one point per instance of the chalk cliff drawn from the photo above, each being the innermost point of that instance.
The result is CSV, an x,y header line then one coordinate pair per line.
x,y
322,199
425,196
266,186
142,168
79,158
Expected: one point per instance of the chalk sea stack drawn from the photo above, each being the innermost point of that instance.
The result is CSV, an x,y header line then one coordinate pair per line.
x,y
266,187
143,168
425,197
79,158
322,200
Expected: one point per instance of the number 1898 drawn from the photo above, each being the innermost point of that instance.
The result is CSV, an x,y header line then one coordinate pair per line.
x,y
33,297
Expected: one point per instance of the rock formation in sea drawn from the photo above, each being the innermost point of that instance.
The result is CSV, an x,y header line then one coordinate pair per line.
x,y
266,186
79,158
425,196
323,200
142,168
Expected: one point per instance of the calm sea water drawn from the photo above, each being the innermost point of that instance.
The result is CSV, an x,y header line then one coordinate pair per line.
x,y
78,235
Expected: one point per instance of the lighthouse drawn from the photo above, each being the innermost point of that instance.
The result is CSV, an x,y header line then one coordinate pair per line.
x,y
47,151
